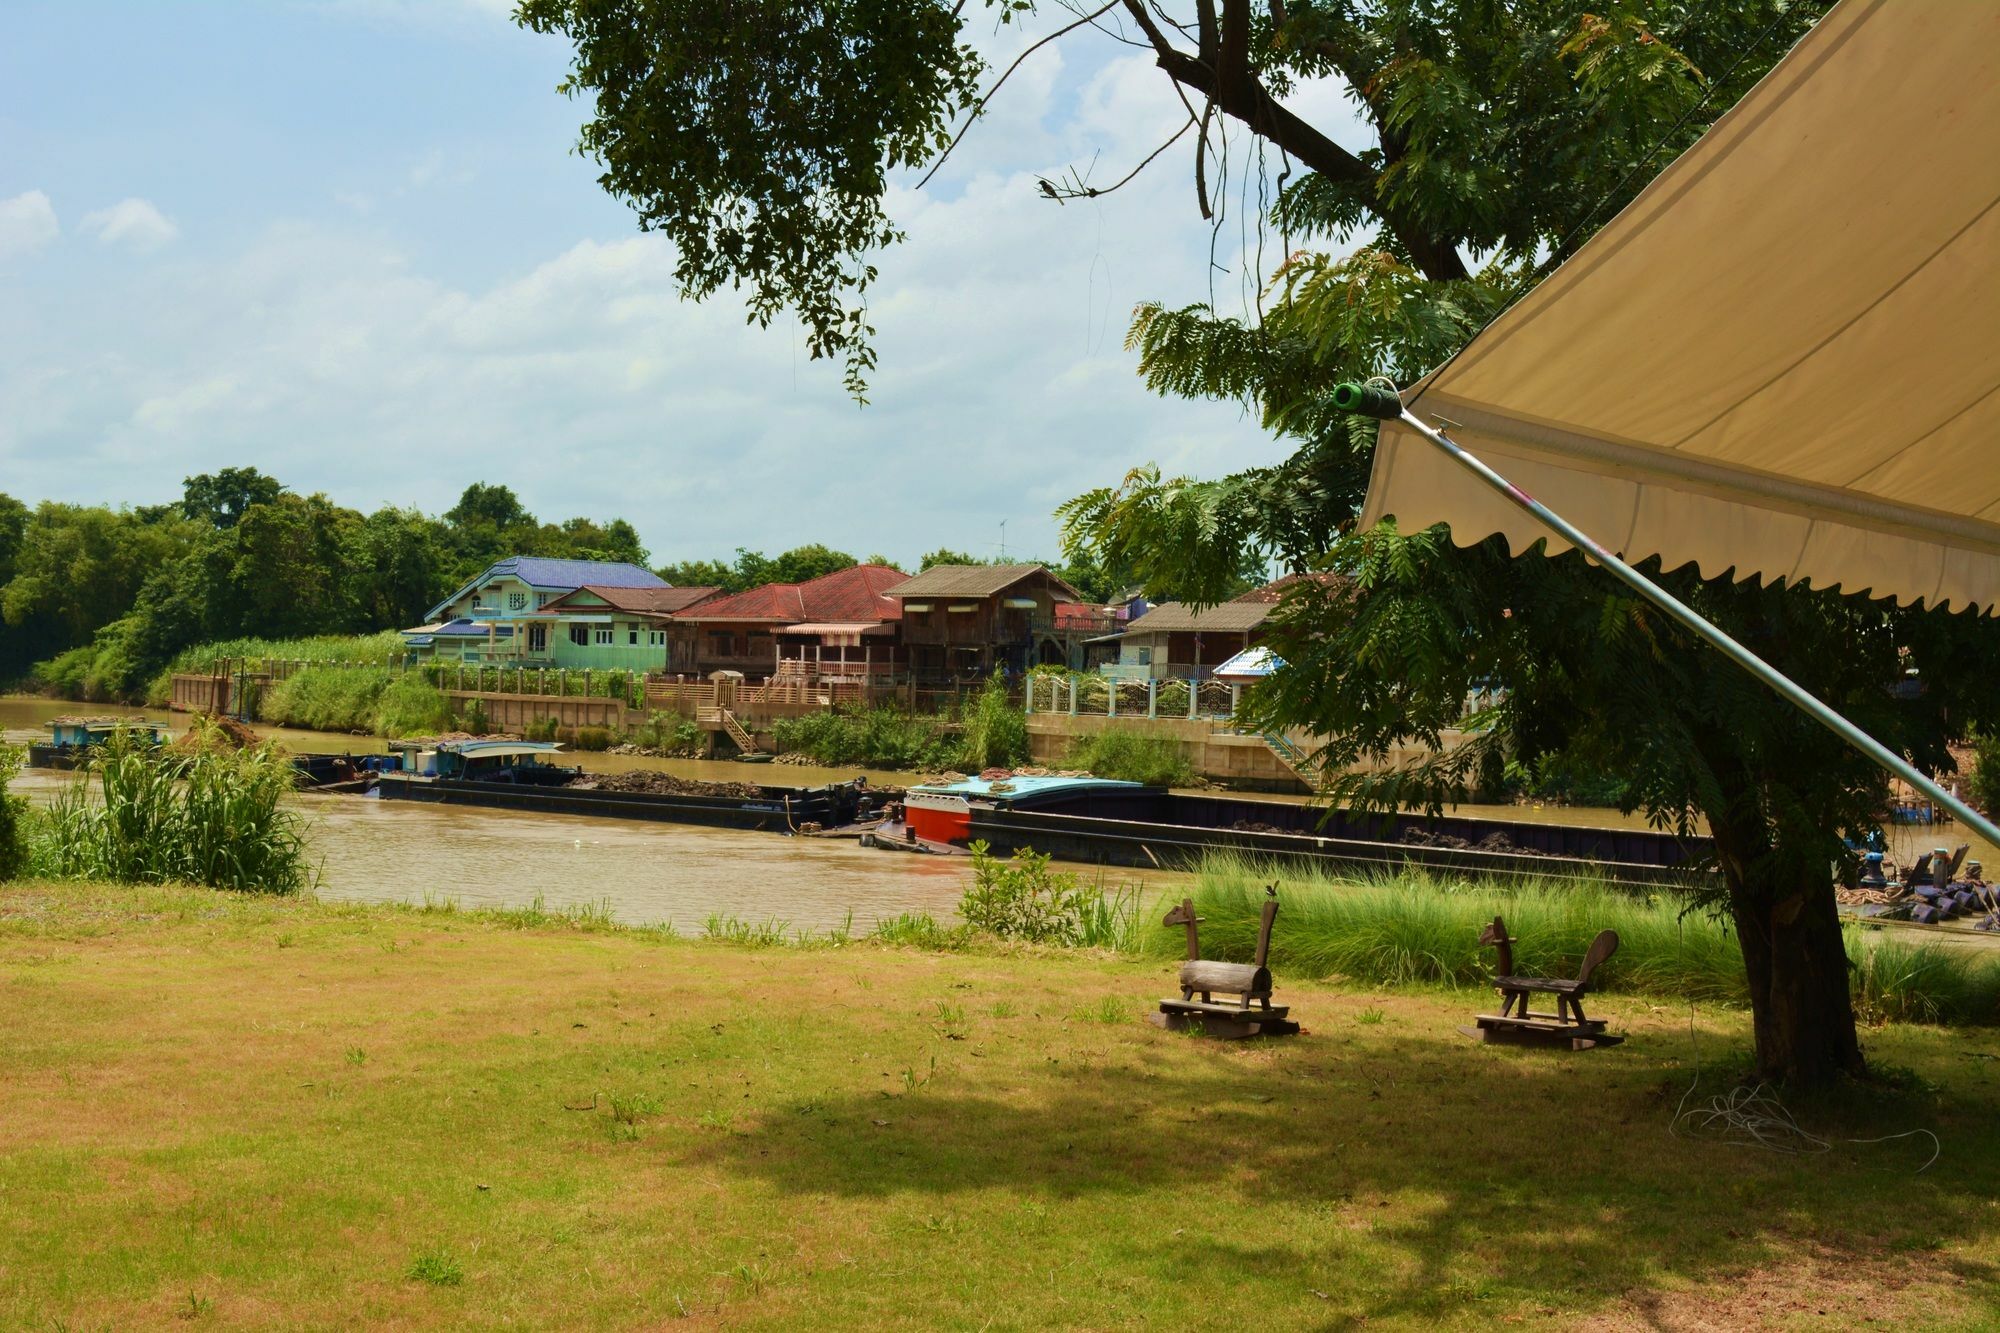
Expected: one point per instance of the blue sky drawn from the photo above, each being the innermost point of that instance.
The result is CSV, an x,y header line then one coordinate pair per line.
x,y
350,243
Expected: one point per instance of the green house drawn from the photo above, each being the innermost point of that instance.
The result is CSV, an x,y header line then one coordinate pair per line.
x,y
600,627
496,618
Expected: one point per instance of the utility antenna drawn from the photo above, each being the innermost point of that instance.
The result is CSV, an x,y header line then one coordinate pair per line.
x,y
1003,541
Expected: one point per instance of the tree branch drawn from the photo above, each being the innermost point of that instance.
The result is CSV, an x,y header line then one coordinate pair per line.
x,y
986,97
1246,99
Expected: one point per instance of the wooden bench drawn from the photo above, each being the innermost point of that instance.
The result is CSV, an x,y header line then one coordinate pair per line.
x,y
1251,1013
1516,1022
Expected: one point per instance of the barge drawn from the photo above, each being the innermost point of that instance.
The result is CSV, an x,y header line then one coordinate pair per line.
x,y
1128,824
772,809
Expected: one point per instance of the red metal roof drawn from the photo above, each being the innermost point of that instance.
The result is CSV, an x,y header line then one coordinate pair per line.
x,y
852,595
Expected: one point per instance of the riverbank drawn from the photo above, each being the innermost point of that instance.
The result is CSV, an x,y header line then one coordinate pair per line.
x,y
258,1112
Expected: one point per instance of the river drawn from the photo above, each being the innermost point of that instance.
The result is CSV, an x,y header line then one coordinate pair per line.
x,y
371,850
646,874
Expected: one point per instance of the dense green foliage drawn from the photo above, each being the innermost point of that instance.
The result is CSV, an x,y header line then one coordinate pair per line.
x,y
13,817
144,814
751,569
1131,756
98,601
1415,929
872,738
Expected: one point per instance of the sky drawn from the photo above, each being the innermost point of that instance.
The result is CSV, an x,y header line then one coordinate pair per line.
x,y
350,243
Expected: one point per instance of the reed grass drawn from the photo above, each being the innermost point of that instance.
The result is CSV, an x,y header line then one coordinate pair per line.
x,y
382,647
140,814
1413,929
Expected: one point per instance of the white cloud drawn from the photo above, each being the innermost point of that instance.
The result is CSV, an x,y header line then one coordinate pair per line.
x,y
134,223
27,223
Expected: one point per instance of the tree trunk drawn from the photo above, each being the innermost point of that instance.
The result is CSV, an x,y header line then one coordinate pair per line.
x,y
1801,1006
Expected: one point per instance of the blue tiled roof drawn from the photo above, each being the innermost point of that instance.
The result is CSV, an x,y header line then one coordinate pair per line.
x,y
539,573
466,629
558,576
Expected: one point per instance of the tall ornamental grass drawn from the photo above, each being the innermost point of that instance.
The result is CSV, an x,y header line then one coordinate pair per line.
x,y
143,814
1413,928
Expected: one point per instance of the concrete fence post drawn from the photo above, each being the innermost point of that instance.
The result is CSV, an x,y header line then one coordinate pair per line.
x,y
1194,698
1072,696
1152,697
1235,698
1111,699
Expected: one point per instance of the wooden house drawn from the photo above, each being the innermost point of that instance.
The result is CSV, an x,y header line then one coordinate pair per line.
x,y
960,622
839,626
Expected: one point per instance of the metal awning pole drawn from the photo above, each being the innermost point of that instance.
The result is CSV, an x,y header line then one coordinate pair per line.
x,y
1736,652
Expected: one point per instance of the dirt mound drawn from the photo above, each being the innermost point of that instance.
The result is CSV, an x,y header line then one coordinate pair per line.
x,y
1492,842
653,782
212,730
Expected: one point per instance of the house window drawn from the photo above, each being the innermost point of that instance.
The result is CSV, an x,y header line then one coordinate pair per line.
x,y
632,636
603,635
1145,657
579,635
538,638
542,599
656,638
517,601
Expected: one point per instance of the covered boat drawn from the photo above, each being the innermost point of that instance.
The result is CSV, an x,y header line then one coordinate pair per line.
x,y
71,739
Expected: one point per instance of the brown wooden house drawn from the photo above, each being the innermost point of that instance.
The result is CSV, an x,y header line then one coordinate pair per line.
x,y
962,621
839,626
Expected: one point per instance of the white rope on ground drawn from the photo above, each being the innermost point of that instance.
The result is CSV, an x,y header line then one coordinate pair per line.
x,y
1753,1117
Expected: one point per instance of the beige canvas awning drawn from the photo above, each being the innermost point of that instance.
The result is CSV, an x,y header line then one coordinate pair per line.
x,y
1783,358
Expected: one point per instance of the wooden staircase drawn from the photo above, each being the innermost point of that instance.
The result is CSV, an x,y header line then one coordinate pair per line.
x,y
721,719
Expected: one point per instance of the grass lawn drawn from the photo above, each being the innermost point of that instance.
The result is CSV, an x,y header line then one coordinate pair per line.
x,y
236,1112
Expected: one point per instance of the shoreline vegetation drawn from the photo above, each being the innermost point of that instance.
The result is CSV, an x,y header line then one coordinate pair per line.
x,y
856,1132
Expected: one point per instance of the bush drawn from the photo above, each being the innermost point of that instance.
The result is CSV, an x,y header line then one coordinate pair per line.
x,y
13,817
541,729
996,732
593,738
1132,756
144,814
1022,899
1983,783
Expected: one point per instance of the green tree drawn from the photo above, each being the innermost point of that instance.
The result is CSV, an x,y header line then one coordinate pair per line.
x,y
697,573
802,563
220,498
489,506
1507,132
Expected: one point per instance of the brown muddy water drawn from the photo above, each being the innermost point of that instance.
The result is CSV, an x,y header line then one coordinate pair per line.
x,y
376,851
395,851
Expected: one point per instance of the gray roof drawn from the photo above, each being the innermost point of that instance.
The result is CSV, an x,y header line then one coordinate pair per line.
x,y
1180,618
972,581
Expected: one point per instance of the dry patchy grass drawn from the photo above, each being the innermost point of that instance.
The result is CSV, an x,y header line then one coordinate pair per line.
x,y
244,1113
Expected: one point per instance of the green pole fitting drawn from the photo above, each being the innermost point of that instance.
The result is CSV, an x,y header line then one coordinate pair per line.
x,y
1367,400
